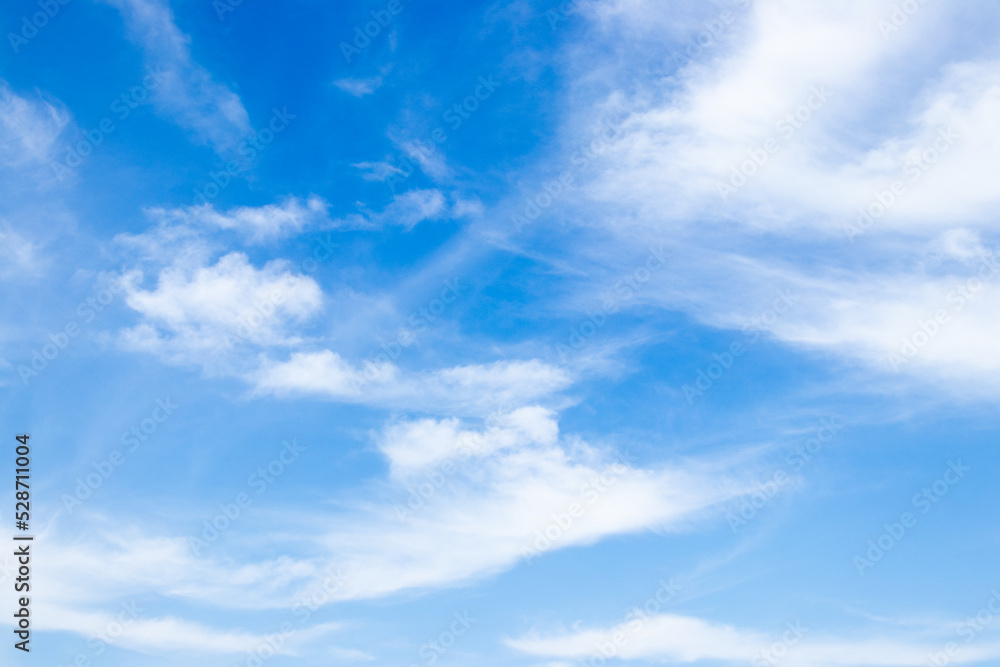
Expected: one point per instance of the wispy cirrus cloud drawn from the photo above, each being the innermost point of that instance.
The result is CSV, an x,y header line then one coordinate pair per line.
x,y
498,492
188,94
405,210
359,87
259,224
116,609
744,143
29,128
674,639
475,388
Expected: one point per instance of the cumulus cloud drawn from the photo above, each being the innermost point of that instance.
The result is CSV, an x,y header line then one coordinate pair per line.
x,y
194,313
206,306
416,445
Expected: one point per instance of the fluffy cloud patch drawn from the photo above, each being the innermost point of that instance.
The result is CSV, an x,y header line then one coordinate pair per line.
x,y
208,309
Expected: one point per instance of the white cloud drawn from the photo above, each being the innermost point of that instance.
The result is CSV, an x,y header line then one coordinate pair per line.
x,y
97,585
459,504
931,318
196,313
258,223
664,637
161,635
686,137
18,254
136,563
28,129
477,388
186,91
376,171
31,217
319,372
467,208
204,308
415,206
180,245
359,87
871,112
941,325
675,155
676,639
417,445
957,187
432,162
476,501
406,210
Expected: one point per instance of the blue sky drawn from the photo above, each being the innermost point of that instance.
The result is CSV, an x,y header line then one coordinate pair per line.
x,y
512,333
